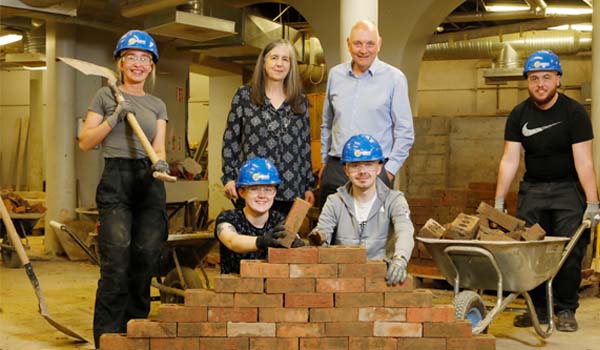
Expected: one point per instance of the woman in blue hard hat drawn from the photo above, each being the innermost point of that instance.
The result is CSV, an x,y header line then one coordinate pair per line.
x,y
247,233
269,119
131,203
558,190
366,212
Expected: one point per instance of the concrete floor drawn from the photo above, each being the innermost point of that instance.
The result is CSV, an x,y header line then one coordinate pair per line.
x,y
69,289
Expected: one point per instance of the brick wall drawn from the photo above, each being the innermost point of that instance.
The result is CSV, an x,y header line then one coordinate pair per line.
x,y
301,299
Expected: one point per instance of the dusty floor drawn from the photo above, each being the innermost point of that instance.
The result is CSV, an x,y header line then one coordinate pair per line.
x,y
69,289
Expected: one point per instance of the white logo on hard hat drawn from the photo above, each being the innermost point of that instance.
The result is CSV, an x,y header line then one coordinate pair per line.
x,y
358,153
135,40
257,176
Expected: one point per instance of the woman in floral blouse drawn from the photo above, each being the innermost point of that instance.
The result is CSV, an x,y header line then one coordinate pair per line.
x,y
269,119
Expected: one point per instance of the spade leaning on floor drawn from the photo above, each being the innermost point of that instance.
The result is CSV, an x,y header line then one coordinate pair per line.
x,y
131,202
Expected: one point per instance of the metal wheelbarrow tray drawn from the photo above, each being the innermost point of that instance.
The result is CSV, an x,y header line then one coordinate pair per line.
x,y
515,267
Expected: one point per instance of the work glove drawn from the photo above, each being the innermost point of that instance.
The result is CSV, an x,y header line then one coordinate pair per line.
x,y
161,166
591,211
120,113
396,272
271,238
297,243
499,205
317,237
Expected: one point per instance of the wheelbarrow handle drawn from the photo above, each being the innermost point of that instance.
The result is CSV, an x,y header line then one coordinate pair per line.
x,y
584,225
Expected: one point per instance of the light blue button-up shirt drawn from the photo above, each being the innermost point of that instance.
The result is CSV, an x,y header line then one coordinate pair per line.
x,y
375,103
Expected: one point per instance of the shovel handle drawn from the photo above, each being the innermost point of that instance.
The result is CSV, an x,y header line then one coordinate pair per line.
x,y
13,236
137,129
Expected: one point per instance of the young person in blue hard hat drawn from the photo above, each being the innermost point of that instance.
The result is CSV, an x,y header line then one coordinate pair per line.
x,y
133,220
556,134
365,211
247,233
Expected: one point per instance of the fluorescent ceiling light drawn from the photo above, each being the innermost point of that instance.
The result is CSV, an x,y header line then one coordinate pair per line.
x,y
34,68
571,11
10,38
506,7
581,27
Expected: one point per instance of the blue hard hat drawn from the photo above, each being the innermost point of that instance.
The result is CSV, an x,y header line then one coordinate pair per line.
x,y
361,148
542,60
258,171
137,39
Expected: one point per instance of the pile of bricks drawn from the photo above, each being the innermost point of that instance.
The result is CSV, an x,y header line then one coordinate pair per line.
x,y
305,298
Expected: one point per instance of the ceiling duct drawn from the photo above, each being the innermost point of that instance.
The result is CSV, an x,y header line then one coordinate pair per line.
x,y
34,49
189,25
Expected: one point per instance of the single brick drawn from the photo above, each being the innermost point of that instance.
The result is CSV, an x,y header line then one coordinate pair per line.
x,y
117,341
237,343
372,269
287,285
477,342
180,313
309,300
397,329
174,343
258,300
274,314
250,329
416,298
432,229
422,343
348,329
294,220
331,343
372,343
338,314
313,270
234,314
274,343
340,285
441,313
460,329
463,227
380,285
235,284
302,255
534,233
382,314
203,297
300,330
358,299
262,269
342,255
202,329
508,222
142,328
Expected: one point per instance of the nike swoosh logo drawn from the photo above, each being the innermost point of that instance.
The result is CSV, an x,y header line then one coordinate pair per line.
x,y
530,132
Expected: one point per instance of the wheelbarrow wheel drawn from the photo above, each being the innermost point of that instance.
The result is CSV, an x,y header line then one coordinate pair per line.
x,y
10,258
470,306
192,281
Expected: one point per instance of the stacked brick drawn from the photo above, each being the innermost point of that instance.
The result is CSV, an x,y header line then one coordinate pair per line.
x,y
304,299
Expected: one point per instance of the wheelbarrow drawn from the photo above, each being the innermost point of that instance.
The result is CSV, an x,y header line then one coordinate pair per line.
x,y
181,255
24,223
516,267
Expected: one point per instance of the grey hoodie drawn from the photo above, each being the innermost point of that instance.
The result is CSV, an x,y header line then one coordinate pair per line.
x,y
338,221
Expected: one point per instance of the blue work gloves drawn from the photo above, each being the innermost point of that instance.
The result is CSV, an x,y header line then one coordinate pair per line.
x,y
396,272
119,114
591,211
161,166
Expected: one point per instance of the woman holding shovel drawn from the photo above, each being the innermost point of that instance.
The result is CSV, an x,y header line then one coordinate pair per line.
x,y
133,220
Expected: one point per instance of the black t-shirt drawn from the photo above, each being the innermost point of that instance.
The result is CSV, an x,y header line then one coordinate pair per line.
x,y
230,260
547,137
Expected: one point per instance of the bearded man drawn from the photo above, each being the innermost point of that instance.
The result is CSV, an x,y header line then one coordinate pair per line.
x,y
558,190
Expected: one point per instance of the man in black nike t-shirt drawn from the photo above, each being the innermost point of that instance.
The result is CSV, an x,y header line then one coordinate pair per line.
x,y
558,190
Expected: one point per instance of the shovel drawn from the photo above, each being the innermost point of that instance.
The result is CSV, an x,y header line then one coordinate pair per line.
x,y
16,243
93,69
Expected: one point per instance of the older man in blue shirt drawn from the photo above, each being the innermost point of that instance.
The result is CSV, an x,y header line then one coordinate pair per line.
x,y
364,96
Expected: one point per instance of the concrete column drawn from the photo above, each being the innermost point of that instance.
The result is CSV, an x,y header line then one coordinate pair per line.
x,y
352,11
60,130
221,90
596,91
35,158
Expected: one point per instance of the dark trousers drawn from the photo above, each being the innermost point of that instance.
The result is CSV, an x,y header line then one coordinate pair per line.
x,y
334,177
133,226
558,207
